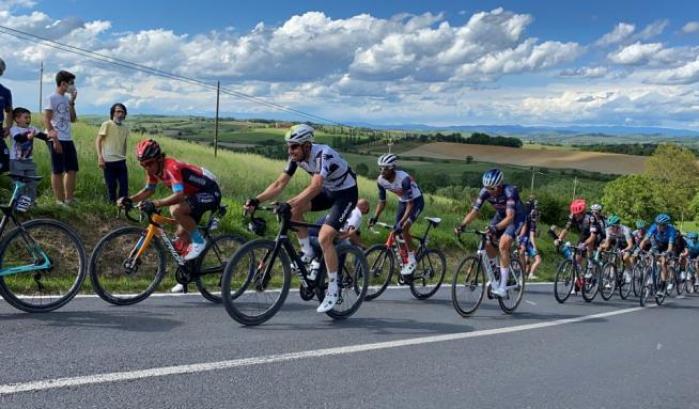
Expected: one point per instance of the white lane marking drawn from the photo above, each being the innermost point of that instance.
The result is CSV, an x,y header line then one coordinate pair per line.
x,y
47,384
530,302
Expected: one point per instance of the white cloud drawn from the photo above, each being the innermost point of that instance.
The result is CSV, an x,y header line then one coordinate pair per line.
x,y
691,27
586,72
653,29
636,53
621,32
685,74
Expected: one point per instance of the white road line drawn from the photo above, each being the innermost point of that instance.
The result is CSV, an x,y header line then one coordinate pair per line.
x,y
47,384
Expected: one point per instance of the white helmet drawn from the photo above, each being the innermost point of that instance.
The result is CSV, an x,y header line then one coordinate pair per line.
x,y
299,134
388,160
2,66
596,207
492,178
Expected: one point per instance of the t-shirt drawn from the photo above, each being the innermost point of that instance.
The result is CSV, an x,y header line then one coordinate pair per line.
x,y
620,232
507,199
60,106
22,147
5,102
183,177
586,225
662,238
324,161
114,142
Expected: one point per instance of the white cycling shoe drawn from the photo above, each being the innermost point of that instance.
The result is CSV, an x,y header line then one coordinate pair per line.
x,y
178,288
328,303
195,250
499,292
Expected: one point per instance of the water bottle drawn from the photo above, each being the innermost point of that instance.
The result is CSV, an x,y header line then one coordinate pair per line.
x,y
402,250
566,251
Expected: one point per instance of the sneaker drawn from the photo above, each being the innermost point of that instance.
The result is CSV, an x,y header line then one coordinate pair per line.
x,y
328,302
532,277
499,292
178,288
670,286
23,204
195,249
588,274
409,268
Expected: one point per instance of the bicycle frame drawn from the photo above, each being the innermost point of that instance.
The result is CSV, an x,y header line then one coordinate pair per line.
x,y
155,222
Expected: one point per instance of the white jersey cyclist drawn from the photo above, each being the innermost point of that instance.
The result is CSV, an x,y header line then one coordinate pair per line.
x,y
324,161
403,185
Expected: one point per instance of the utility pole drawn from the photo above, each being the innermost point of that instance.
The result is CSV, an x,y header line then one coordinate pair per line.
x,y
575,185
218,97
41,86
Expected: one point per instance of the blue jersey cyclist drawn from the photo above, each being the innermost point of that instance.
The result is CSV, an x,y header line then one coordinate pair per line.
x,y
509,216
410,202
691,254
527,239
664,238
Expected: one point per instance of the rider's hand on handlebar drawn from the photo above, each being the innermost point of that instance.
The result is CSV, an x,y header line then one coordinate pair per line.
x,y
397,228
557,242
147,206
124,202
492,230
372,221
458,230
251,204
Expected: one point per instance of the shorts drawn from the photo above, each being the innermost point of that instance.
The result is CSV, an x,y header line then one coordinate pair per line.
x,y
201,202
418,206
528,247
340,202
513,228
66,161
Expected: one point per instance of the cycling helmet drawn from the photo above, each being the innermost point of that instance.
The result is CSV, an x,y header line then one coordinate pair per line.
x,y
578,206
148,149
596,207
299,134
258,226
492,178
640,224
663,218
613,220
692,236
388,160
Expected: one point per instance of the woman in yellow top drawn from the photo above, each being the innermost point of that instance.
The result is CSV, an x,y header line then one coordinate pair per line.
x,y
111,152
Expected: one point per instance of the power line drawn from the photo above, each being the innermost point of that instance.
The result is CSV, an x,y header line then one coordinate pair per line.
x,y
153,71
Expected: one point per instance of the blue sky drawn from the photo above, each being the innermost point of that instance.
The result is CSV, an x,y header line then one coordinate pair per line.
x,y
439,62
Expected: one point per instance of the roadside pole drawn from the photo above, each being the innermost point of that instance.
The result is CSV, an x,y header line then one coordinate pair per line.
x,y
218,97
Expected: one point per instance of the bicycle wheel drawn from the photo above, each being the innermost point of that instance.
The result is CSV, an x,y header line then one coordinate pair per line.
x,y
468,286
212,262
515,288
591,284
381,264
636,280
625,282
608,284
353,276
255,282
660,290
646,286
116,276
679,283
57,249
429,274
564,282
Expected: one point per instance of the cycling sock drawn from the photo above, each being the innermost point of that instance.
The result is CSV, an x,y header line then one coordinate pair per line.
x,y
306,245
411,257
196,236
332,282
504,274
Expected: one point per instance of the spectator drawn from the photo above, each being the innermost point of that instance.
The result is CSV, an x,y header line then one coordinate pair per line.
x,y
111,152
5,121
58,116
21,163
350,230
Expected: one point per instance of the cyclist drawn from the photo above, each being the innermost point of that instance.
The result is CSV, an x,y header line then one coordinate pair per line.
x,y
527,239
333,186
691,253
194,191
589,227
410,202
619,236
665,239
509,217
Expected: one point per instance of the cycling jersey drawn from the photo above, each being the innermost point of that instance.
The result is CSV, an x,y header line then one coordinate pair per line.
x,y
664,238
620,233
638,235
183,177
586,226
531,222
403,185
507,199
324,161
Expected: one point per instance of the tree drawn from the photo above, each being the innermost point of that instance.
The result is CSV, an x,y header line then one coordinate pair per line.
x,y
633,197
469,159
674,170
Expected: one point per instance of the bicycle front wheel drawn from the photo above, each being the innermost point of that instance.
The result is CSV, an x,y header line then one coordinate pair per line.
x,y
564,282
353,276
591,284
625,281
515,288
429,274
608,284
256,282
120,278
468,286
381,264
49,263
212,262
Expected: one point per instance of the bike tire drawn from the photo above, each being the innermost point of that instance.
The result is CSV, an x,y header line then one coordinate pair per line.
x,y
240,284
608,281
470,274
38,291
110,279
212,262
429,274
564,281
591,285
624,287
381,263
353,273
517,279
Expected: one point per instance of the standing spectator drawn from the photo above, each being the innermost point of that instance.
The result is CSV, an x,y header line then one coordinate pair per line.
x,y
5,120
21,163
111,152
58,116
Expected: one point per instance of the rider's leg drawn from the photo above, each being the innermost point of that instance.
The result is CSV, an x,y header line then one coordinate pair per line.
x,y
185,223
504,245
535,265
297,213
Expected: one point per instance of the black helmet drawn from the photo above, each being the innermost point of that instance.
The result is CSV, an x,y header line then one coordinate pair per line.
x,y
258,226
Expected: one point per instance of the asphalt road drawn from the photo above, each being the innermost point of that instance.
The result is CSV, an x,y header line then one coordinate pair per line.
x,y
396,352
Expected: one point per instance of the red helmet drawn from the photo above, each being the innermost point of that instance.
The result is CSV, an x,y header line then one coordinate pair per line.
x,y
578,206
148,149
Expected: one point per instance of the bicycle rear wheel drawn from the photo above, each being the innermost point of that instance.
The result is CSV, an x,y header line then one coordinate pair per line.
x,y
255,282
381,265
637,280
591,284
646,286
608,282
353,276
625,282
564,282
515,288
212,262
468,286
53,260
429,274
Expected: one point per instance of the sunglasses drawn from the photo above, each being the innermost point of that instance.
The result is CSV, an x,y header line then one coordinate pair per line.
x,y
294,146
147,163
385,168
491,188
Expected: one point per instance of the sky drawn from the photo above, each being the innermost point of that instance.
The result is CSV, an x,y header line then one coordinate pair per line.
x,y
632,63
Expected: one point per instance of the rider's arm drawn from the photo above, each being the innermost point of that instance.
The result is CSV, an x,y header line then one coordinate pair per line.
x,y
274,189
509,217
532,238
475,210
382,201
563,233
174,198
309,192
470,217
